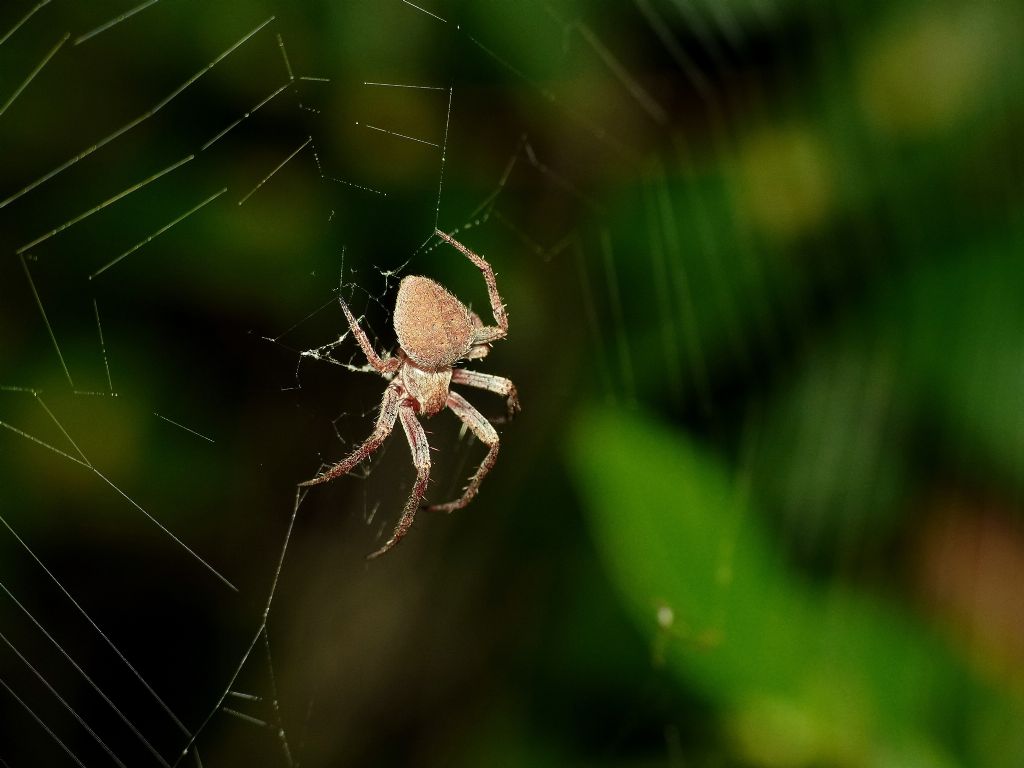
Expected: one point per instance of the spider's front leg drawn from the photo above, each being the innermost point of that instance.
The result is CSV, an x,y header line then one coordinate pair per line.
x,y
421,459
482,428
384,366
389,407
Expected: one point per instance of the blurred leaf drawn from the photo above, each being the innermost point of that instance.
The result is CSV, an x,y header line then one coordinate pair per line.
x,y
803,674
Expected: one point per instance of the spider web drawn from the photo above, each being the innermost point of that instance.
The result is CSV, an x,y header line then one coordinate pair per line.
x,y
185,179
188,189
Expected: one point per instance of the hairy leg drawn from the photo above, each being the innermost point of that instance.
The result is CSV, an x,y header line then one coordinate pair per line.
x,y
383,366
385,423
499,385
421,459
486,334
482,428
478,350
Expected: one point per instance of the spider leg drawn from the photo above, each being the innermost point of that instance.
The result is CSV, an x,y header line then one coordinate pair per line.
x,y
499,385
389,407
421,459
482,428
487,333
383,366
477,351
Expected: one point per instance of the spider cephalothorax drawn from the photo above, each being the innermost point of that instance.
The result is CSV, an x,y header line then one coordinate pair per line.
x,y
435,331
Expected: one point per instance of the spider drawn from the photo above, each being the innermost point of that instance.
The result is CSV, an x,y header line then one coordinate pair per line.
x,y
435,331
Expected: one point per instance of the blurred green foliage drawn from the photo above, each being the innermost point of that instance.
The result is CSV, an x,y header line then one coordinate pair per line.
x,y
805,675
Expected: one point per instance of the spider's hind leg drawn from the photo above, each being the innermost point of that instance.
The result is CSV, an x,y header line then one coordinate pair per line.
x,y
482,428
384,366
485,334
477,351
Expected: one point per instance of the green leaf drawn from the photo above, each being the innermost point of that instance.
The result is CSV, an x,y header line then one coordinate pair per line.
x,y
803,673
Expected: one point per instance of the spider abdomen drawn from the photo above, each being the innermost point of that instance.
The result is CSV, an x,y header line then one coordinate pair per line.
x,y
434,328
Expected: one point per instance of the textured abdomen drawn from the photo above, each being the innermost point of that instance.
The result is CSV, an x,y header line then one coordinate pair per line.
x,y
434,328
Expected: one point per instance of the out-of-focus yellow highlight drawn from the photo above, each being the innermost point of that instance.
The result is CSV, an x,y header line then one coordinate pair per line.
x,y
930,70
785,179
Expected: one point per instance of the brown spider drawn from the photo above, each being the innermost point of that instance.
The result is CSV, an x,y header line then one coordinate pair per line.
x,y
435,330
